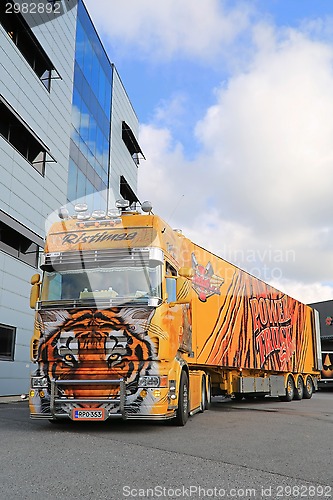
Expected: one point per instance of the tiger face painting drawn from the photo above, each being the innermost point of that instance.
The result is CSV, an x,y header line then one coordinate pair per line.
x,y
98,345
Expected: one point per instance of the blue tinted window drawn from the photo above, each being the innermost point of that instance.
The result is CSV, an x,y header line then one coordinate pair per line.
x,y
80,41
95,75
72,180
81,185
92,134
99,144
101,89
90,114
88,60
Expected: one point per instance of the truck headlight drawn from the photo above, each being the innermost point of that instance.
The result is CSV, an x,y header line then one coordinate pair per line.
x,y
149,381
37,382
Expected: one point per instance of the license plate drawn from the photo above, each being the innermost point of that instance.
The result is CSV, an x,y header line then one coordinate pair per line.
x,y
87,414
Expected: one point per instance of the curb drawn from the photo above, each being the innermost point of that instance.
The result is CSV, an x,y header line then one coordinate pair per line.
x,y
13,399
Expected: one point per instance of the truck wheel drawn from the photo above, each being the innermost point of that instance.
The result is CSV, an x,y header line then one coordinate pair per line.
x,y
183,402
208,394
238,396
290,390
308,388
203,395
299,389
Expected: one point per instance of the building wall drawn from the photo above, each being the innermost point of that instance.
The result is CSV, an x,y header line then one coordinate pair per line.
x,y
122,163
26,195
91,115
98,153
80,122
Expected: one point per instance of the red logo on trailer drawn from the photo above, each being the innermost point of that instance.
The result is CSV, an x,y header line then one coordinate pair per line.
x,y
205,282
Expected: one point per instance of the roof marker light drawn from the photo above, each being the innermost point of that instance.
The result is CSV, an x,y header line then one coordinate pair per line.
x,y
81,207
122,203
114,212
63,213
146,206
99,214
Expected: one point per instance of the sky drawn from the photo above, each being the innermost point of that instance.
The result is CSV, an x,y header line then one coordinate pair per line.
x,y
235,105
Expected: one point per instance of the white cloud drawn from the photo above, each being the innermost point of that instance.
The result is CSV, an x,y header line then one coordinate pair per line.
x,y
264,176
305,292
163,29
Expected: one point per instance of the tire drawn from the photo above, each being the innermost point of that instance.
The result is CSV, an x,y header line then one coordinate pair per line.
x,y
59,421
299,389
308,388
290,390
238,396
203,395
183,402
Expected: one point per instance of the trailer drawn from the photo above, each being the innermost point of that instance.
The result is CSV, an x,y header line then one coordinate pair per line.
x,y
135,321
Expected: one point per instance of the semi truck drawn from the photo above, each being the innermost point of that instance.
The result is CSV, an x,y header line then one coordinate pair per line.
x,y
135,321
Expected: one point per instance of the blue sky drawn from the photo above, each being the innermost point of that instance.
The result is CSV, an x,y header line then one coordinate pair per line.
x,y
235,103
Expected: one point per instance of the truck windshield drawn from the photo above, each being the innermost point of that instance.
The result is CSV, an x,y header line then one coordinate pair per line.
x,y
124,282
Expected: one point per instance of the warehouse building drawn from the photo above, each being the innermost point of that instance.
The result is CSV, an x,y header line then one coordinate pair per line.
x,y
67,132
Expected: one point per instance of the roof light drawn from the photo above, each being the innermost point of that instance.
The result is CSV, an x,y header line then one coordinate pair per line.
x,y
63,213
83,216
122,203
114,212
99,214
81,207
146,206
81,210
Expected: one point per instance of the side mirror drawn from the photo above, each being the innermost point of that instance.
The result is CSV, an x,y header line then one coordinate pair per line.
x,y
35,279
186,272
34,293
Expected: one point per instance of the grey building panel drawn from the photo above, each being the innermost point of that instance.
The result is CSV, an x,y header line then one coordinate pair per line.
x,y
26,196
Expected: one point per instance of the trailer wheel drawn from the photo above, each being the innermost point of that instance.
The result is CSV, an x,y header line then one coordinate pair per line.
x,y
183,402
308,388
299,389
290,390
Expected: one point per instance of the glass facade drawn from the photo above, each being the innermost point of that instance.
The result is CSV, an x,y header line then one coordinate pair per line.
x,y
89,163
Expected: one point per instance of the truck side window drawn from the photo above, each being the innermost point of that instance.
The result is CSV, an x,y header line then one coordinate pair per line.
x,y
171,289
170,274
170,270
